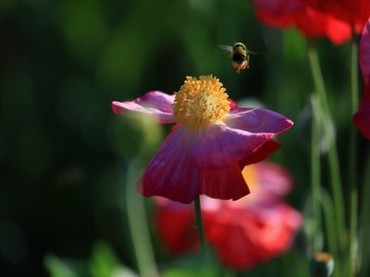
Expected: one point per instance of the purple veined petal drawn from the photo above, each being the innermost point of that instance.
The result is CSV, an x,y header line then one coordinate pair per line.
x,y
224,182
221,146
154,103
364,52
170,173
258,121
173,174
244,133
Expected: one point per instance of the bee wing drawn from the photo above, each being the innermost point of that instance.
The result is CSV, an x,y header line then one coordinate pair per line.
x,y
226,48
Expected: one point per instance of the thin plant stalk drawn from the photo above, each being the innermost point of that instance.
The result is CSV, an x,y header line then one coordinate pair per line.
x,y
352,159
138,226
199,221
364,220
327,206
333,159
315,164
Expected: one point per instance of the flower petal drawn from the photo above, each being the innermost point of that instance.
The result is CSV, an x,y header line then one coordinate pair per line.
x,y
224,183
175,225
241,234
310,17
278,13
262,153
364,53
315,23
246,130
243,238
271,183
258,121
173,173
354,12
154,103
361,118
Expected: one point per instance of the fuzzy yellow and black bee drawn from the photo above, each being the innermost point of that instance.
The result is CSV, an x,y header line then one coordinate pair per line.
x,y
239,55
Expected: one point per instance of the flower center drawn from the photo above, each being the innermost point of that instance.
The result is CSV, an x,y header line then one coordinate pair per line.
x,y
202,102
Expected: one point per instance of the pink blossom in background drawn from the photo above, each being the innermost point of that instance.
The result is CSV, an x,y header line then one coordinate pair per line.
x,y
243,233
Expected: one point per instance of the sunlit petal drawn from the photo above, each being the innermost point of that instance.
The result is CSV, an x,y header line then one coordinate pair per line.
x,y
155,103
246,130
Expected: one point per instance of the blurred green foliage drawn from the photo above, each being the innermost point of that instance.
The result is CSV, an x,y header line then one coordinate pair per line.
x,y
63,152
102,263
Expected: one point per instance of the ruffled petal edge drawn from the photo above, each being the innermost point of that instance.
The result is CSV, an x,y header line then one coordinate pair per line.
x,y
155,103
173,173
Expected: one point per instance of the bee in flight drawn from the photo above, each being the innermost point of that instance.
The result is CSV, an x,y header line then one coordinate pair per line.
x,y
239,55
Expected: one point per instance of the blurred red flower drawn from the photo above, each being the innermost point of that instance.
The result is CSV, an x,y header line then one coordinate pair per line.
x,y
209,145
361,118
278,13
308,18
243,233
354,12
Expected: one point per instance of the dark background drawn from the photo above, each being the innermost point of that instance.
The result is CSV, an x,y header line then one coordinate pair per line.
x,y
62,151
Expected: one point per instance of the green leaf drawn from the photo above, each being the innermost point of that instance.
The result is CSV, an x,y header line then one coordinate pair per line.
x,y
59,267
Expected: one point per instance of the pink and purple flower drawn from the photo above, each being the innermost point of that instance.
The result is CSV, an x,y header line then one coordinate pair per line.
x,y
212,141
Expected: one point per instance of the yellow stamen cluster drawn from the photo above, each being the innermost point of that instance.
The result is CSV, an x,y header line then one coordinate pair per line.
x,y
202,102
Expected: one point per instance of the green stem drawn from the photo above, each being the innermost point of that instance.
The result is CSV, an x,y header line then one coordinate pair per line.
x,y
352,159
364,220
198,216
138,225
315,164
334,170
327,206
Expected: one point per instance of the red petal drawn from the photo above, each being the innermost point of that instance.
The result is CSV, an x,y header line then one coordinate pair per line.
x,y
175,224
243,238
353,12
279,7
262,153
311,20
278,13
361,120
315,23
224,183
